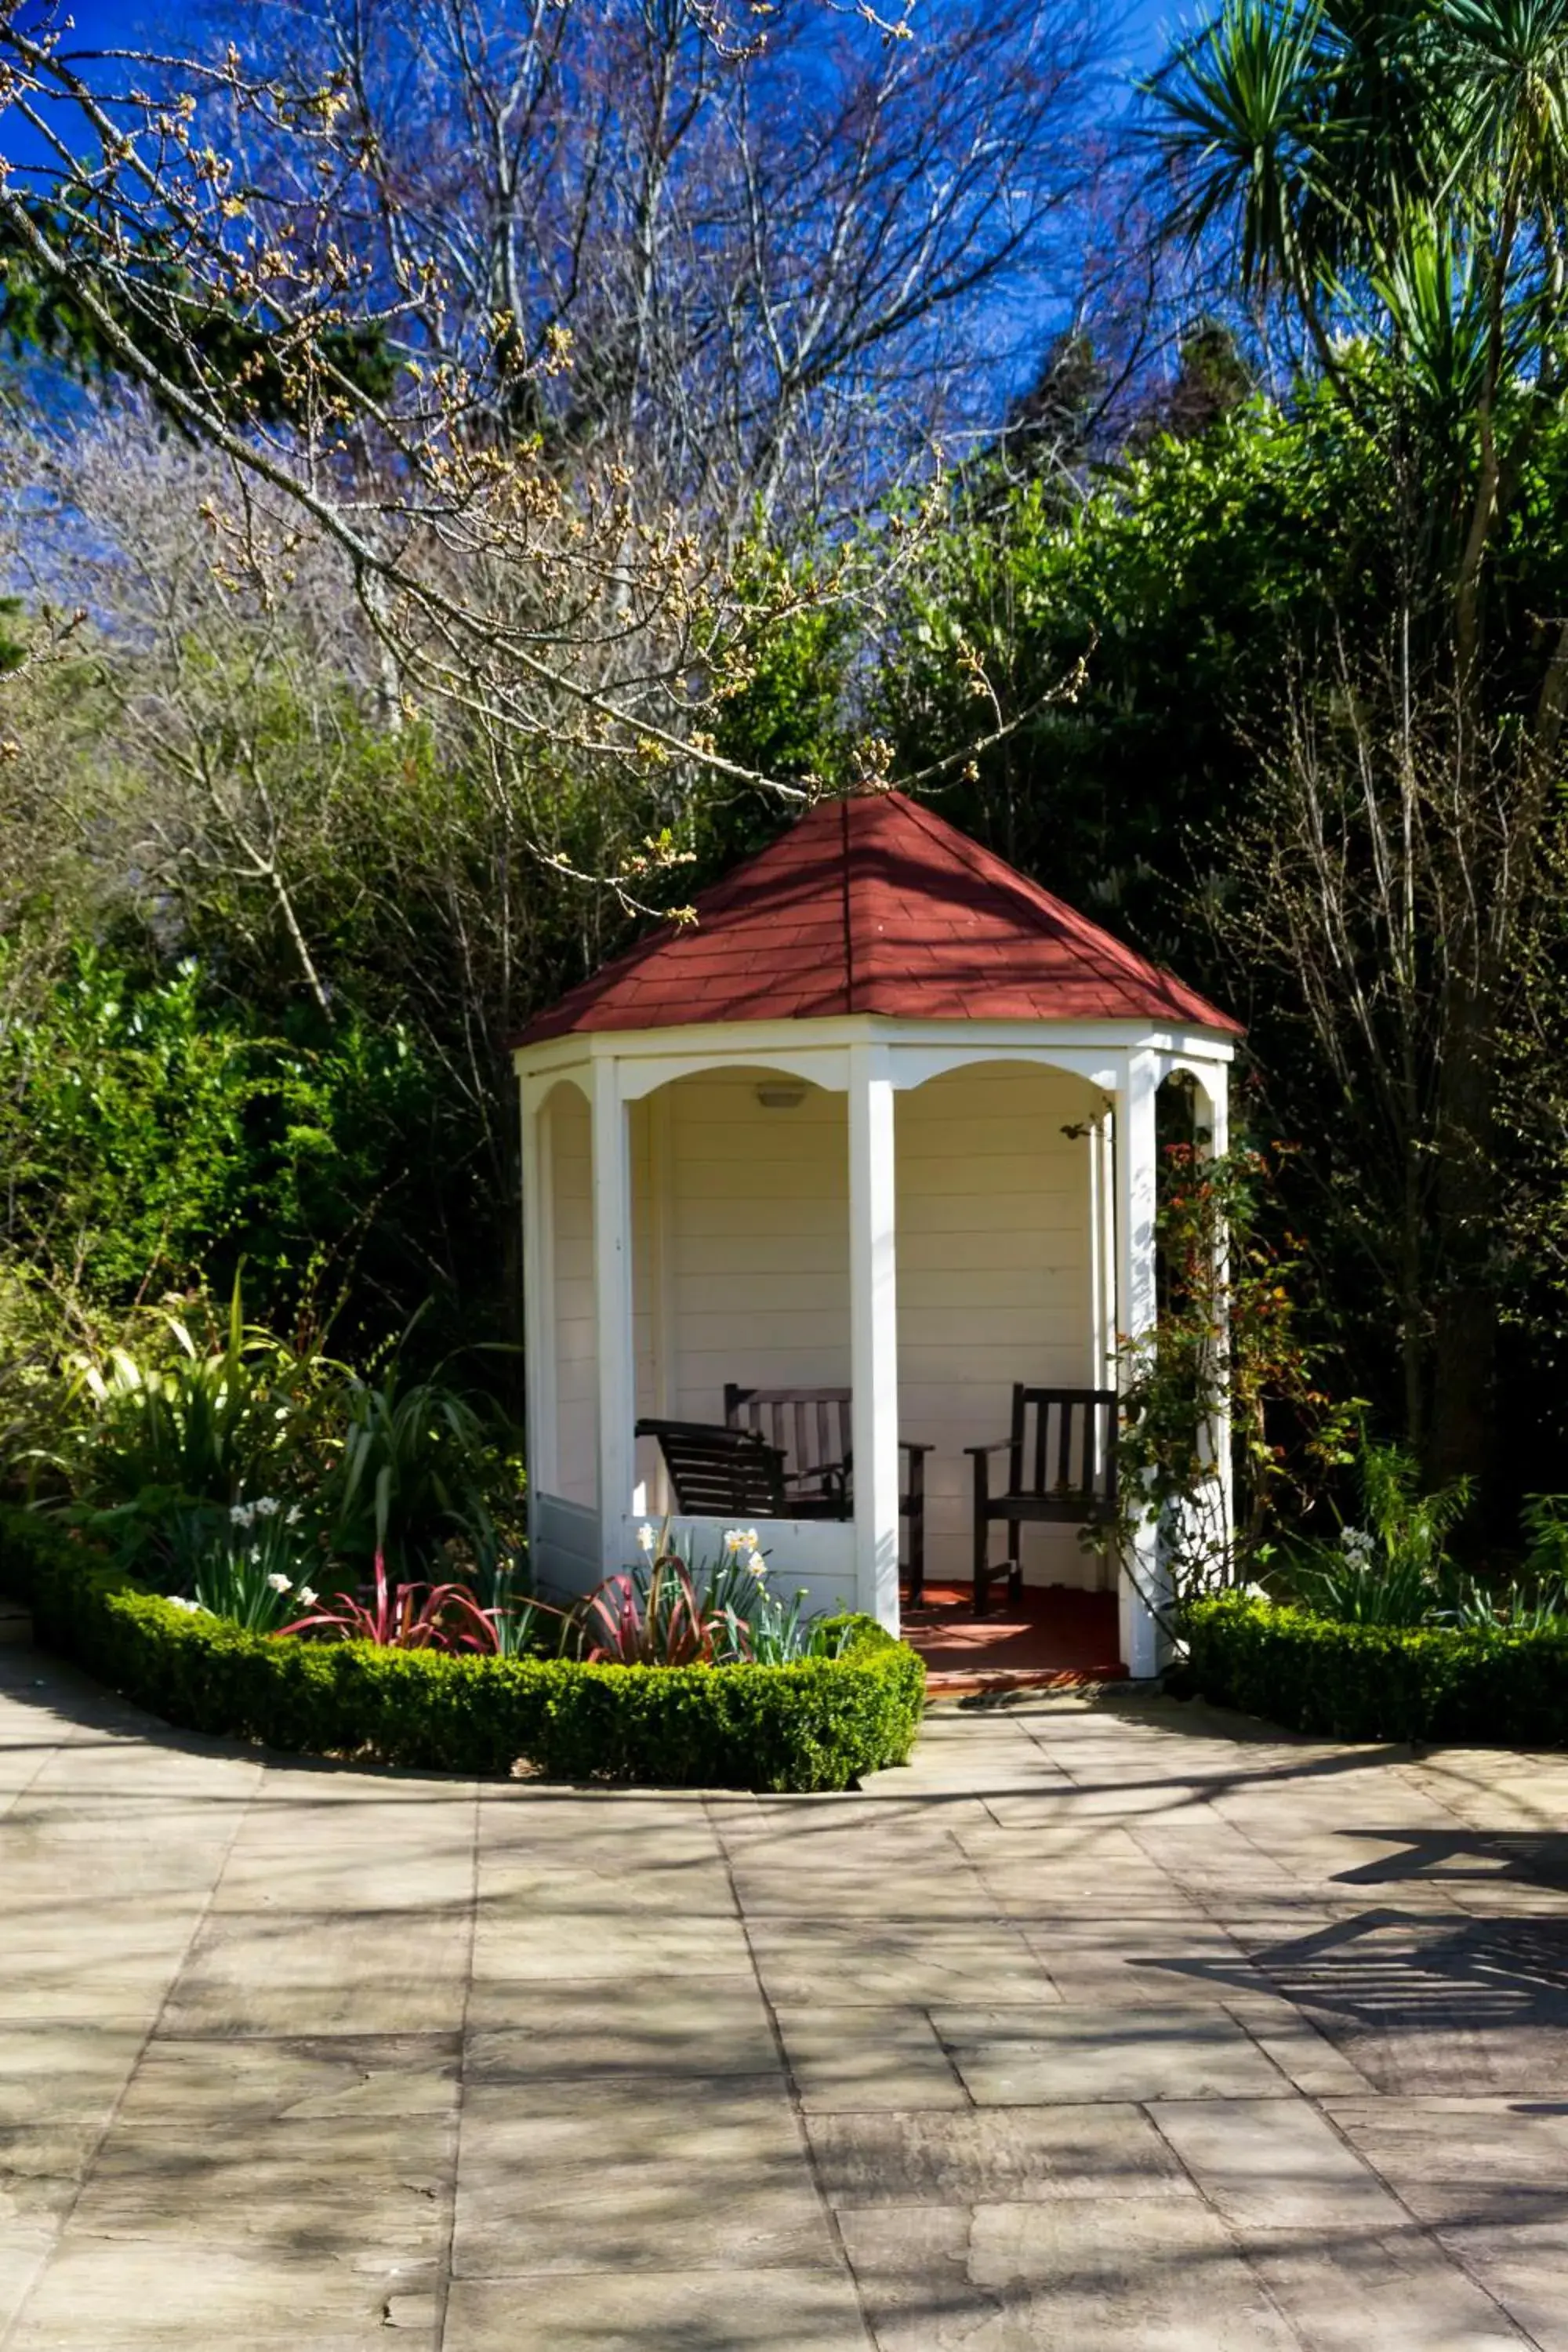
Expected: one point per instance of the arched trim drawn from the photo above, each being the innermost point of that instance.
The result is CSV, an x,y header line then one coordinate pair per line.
x,y
827,1067
917,1066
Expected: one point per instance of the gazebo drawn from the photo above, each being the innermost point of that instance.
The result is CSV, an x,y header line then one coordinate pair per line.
x,y
880,1127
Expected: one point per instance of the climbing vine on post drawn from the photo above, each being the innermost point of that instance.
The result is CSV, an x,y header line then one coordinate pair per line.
x,y
1225,1425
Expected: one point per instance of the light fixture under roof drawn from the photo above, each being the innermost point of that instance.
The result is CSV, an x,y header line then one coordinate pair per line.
x,y
782,1094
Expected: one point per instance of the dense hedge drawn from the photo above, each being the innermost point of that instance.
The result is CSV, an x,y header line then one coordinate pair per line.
x,y
1380,1682
818,1724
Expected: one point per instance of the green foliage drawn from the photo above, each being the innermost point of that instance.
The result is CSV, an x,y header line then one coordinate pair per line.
x,y
1228,1350
153,1134
198,1414
249,1573
414,1468
667,1611
205,1415
1393,1569
818,1724
1128,639
1501,1686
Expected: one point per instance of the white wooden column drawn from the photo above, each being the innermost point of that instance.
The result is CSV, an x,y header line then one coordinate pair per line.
x,y
616,1361
874,1333
1136,1310
1215,1082
538,1298
1101,1289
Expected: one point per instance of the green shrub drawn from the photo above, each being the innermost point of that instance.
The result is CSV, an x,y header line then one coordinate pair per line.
x,y
1483,1685
817,1724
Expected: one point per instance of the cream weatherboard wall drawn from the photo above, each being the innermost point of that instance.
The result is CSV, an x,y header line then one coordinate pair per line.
x,y
567,1154
994,1283
740,1265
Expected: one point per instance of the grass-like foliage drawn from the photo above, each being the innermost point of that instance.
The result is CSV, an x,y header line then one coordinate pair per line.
x,y
401,1617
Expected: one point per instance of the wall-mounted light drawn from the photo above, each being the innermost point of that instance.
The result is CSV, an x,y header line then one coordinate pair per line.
x,y
782,1094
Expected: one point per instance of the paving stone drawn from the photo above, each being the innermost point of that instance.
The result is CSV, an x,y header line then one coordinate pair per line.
x,y
1062,2056
1275,2164
1478,2163
1396,2294
1525,2268
104,2295
226,2085
294,1972
896,1962
1003,2156
706,2173
657,2026
1160,2274
570,1946
785,2308
863,2057
335,2189
1087,1906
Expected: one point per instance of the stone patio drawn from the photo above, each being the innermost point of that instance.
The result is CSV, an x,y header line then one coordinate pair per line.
x,y
1108,2024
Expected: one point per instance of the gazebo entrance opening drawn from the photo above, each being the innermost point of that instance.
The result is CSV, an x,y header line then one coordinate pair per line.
x,y
738,1206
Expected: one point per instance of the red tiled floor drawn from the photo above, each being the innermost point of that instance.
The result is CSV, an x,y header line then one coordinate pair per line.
x,y
1057,1635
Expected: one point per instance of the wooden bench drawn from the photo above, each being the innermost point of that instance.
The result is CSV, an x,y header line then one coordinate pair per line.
x,y
1061,1467
718,1471
812,1429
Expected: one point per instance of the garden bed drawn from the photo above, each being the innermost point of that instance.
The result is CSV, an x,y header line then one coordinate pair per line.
x,y
816,1725
1482,1687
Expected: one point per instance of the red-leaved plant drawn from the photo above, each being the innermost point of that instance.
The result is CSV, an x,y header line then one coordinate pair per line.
x,y
664,1626
405,1617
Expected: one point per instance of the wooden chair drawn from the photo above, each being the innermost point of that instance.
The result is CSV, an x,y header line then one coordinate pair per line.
x,y
810,1429
718,1471
1061,1466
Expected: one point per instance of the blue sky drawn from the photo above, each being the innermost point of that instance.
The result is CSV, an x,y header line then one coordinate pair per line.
x,y
1143,29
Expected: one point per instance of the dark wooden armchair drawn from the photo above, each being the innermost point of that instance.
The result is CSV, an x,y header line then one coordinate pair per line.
x,y
810,1429
718,1471
1061,1466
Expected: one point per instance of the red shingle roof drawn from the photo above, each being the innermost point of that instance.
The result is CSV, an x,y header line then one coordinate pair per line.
x,y
875,905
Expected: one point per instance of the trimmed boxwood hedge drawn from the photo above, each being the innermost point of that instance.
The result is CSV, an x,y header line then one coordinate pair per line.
x,y
817,1724
1380,1682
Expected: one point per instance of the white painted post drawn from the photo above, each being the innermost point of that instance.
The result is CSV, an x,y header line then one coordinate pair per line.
x,y
874,1333
1216,1086
1101,1289
616,1361
538,1302
1136,1310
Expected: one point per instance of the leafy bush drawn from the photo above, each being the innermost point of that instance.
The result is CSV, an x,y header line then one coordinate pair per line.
x,y
204,1415
1503,1685
401,1617
414,1469
817,1725
1395,1570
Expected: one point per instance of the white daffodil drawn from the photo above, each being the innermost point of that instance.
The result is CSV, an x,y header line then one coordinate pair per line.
x,y
241,1515
645,1536
1356,1542
292,1516
306,1598
191,1608
733,1538
280,1583
757,1564
267,1506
